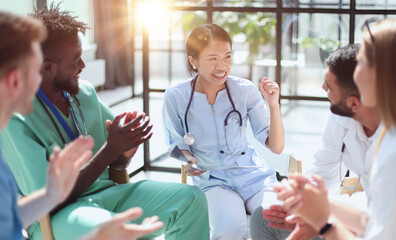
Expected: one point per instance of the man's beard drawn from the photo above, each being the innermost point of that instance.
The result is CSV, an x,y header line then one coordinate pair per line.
x,y
67,86
341,109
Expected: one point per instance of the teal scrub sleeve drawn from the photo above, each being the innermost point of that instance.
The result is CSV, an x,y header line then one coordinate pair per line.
x,y
26,158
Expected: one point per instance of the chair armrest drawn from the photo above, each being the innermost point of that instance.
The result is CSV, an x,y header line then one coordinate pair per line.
x,y
294,165
183,174
119,176
46,227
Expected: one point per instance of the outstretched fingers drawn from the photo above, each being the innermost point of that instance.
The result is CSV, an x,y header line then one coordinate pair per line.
x,y
116,121
135,122
129,215
133,230
148,226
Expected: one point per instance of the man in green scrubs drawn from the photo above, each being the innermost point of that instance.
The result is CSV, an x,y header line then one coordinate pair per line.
x,y
28,142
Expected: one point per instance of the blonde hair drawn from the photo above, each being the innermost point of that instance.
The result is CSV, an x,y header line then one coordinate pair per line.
x,y
381,54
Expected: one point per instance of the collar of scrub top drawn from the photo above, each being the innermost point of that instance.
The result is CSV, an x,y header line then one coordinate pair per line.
x,y
44,101
188,138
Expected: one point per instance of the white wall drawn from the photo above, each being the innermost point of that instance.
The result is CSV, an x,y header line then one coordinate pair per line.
x,y
83,9
20,7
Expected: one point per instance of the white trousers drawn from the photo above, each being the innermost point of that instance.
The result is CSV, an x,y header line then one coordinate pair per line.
x,y
227,212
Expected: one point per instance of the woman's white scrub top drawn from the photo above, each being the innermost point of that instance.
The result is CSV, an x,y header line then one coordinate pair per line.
x,y
206,124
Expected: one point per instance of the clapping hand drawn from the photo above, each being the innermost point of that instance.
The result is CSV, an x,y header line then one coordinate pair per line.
x,y
64,167
307,199
124,140
118,228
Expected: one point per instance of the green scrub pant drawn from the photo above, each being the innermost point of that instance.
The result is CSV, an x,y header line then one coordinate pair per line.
x,y
182,209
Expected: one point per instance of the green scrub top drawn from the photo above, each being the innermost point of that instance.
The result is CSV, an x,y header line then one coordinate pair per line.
x,y
28,140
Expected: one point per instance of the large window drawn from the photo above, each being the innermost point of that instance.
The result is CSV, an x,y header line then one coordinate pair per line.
x,y
285,40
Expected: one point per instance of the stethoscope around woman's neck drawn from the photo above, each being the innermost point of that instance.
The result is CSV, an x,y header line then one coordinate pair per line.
x,y
189,138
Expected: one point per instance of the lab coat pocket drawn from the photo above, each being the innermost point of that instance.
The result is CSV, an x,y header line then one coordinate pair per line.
x,y
244,159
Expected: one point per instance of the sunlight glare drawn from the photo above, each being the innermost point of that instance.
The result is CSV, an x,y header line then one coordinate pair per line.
x,y
151,13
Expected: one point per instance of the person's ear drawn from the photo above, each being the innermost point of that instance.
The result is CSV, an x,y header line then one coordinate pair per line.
x,y
49,69
12,82
353,103
192,62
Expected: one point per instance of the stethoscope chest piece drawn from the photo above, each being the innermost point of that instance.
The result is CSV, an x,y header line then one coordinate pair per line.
x,y
188,139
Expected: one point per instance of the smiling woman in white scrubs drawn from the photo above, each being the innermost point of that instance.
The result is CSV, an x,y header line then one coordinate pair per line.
x,y
375,78
206,116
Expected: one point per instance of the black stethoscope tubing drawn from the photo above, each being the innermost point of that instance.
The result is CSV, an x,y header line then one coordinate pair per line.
x,y
226,118
229,97
73,116
189,103
52,120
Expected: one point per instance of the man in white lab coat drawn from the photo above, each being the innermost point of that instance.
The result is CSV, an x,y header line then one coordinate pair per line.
x,y
348,143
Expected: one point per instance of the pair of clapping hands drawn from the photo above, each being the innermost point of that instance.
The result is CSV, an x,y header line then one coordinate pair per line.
x,y
305,209
65,165
125,138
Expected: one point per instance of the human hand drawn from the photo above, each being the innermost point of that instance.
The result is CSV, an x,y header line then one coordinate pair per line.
x,y
270,91
190,170
118,229
308,201
64,167
123,161
124,140
302,230
276,216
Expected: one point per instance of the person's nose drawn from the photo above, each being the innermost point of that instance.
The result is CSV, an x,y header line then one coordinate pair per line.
x,y
82,64
221,64
324,87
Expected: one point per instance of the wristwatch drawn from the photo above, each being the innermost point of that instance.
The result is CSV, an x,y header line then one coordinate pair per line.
x,y
330,224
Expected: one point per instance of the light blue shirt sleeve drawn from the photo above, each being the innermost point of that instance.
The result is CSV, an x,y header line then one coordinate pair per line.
x,y
11,225
173,119
258,114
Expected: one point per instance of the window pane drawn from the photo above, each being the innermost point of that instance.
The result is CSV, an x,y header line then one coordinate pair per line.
x,y
244,3
168,60
304,123
317,4
376,4
360,21
306,41
253,36
194,3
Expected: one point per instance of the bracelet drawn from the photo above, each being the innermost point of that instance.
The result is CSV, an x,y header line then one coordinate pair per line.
x,y
326,227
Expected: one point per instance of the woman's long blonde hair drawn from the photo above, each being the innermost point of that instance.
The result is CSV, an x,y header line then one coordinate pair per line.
x,y
381,54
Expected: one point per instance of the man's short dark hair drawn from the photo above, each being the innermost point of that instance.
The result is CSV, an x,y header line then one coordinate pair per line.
x,y
17,34
342,63
61,26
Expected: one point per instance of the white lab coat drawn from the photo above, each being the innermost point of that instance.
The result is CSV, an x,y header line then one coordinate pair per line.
x,y
382,191
331,163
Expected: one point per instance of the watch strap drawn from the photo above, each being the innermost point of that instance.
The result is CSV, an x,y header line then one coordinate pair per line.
x,y
326,228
